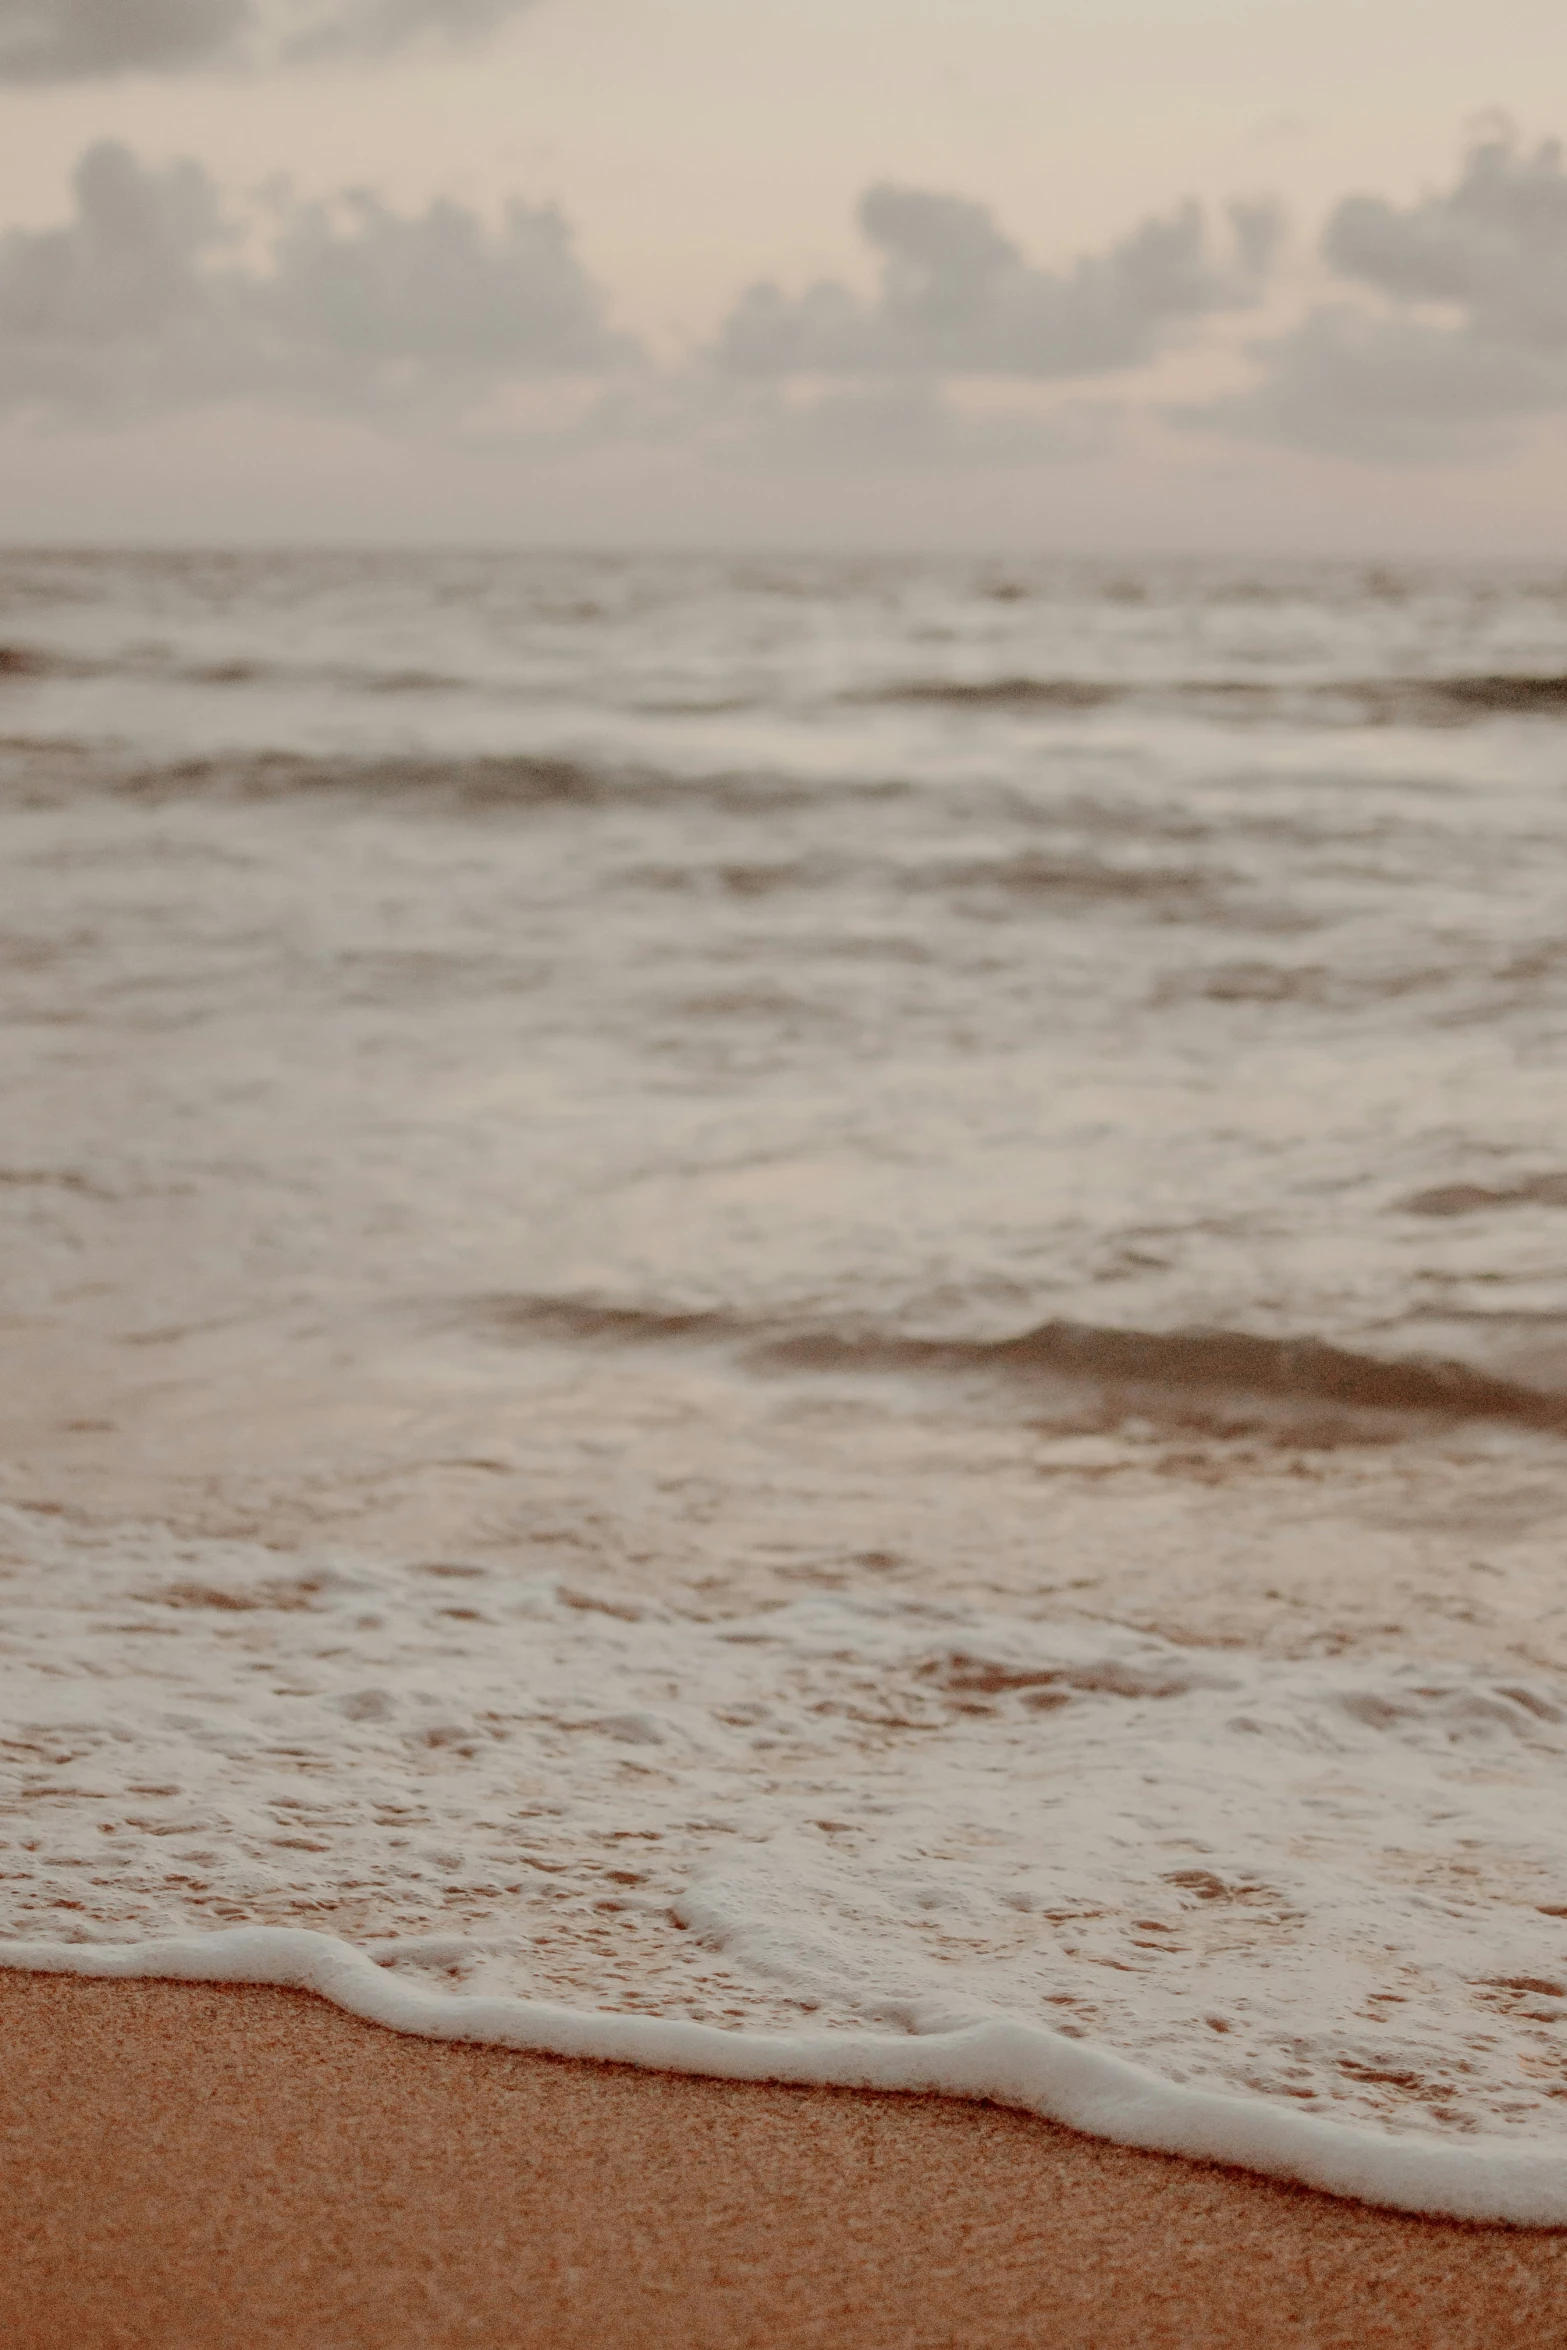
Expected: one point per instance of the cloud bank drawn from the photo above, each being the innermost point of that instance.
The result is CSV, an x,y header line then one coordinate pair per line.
x,y
152,297
957,297
82,40
1465,328
140,304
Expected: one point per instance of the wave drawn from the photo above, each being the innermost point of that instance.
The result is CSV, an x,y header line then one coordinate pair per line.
x,y
484,782
1018,879
149,661
1417,701
36,773
32,662
1060,1863
1211,1362
1031,874
1010,693
579,1320
1150,1364
1353,700
1025,2066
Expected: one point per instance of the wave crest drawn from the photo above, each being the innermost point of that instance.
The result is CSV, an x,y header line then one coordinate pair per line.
x,y
1150,1364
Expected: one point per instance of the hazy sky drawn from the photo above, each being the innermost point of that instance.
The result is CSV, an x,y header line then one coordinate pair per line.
x,y
1234,272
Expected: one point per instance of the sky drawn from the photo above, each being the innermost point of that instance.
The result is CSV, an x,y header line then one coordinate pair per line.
x,y
1250,274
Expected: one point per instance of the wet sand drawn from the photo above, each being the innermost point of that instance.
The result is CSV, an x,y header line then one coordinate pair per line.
x,y
191,2167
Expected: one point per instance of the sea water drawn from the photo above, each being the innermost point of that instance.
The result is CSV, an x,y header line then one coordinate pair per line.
x,y
806,1318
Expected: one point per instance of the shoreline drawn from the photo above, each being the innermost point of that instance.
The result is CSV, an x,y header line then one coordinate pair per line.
x,y
201,2167
1089,2090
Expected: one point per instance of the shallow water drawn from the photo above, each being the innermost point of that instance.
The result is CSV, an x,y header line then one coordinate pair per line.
x,y
689,1142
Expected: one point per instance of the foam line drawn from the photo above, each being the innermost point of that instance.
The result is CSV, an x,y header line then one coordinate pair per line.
x,y
998,2063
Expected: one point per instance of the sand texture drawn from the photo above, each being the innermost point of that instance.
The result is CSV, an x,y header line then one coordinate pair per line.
x,y
189,2167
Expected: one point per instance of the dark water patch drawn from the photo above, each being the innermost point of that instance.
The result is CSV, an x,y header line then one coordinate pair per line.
x,y
159,662
1547,960
21,952
741,877
52,773
1250,983
871,947
1442,701
423,974
412,681
283,1594
139,661
1158,1371
226,673
575,612
22,662
763,880
54,1179
775,1007
1113,814
288,676
515,782
1007,693
1314,987
579,1321
714,706
1470,1199
1535,695
1033,874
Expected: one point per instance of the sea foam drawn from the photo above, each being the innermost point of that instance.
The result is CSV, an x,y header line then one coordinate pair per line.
x,y
1304,1916
1014,2064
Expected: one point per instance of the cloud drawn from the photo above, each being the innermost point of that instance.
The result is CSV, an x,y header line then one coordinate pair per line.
x,y
141,302
372,28
436,296
1466,328
153,297
1495,244
957,297
69,40
83,40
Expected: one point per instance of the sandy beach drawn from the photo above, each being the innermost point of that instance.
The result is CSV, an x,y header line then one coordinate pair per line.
x,y
201,2168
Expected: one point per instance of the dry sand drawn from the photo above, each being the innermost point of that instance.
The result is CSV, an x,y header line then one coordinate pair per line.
x,y
198,2168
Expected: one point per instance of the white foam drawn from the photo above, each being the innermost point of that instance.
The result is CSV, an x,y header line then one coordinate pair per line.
x,y
1012,2064
1310,1918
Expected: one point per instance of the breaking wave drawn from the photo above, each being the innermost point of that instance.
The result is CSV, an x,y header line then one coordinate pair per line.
x,y
1147,1364
1303,1914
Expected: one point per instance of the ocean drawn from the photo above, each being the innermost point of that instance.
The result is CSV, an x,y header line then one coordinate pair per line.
x,y
819,1303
